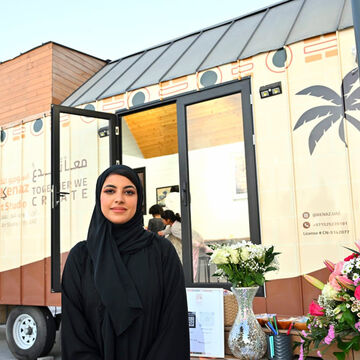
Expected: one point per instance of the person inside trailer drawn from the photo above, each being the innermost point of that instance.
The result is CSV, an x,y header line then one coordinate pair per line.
x,y
156,224
123,292
174,234
172,230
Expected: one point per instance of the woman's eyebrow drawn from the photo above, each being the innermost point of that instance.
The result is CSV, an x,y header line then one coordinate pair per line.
x,y
115,187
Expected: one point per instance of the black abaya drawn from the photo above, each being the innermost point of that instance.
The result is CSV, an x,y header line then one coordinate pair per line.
x,y
123,294
160,333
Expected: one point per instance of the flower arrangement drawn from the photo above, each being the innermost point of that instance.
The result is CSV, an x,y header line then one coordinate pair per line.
x,y
244,264
335,317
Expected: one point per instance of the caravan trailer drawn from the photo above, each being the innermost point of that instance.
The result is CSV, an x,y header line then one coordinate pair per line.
x,y
256,120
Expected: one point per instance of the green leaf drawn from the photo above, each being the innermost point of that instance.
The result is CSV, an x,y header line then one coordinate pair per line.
x,y
343,307
271,268
348,317
354,251
347,345
342,345
340,355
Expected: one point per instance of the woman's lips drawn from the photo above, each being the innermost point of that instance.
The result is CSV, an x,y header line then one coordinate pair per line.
x,y
118,209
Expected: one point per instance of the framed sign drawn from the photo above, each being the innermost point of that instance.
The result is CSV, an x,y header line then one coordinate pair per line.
x,y
206,321
161,193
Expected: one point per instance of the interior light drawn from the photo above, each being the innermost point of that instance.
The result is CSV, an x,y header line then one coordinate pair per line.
x,y
103,132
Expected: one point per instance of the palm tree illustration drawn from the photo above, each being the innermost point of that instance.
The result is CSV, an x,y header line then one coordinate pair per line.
x,y
348,100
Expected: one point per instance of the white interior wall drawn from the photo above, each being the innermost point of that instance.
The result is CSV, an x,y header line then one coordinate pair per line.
x,y
217,213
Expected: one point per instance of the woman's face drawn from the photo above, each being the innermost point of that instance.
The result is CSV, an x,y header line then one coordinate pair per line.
x,y
166,221
118,199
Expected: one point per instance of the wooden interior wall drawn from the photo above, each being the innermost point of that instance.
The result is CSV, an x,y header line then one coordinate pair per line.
x,y
48,74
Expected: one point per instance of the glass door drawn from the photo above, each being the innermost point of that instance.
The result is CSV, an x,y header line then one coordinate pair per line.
x,y
83,143
218,178
149,144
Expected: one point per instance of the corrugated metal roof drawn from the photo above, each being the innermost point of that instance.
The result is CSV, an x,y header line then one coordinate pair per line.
x,y
264,30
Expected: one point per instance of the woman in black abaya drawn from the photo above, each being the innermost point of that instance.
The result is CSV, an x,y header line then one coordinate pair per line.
x,y
123,292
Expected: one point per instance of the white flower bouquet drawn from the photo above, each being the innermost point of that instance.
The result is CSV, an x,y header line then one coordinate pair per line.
x,y
244,264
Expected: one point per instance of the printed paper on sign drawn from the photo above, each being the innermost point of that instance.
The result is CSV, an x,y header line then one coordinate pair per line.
x,y
206,322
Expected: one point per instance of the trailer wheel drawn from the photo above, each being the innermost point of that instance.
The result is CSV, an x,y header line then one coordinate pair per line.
x,y
30,332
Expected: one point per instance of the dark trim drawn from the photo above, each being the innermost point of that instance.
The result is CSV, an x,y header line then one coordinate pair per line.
x,y
242,87
250,159
115,133
56,110
83,112
55,203
184,190
172,99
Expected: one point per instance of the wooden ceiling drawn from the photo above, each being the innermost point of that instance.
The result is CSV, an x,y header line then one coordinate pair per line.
x,y
215,122
155,130
210,123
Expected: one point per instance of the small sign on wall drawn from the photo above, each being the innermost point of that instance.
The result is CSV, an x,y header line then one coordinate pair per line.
x,y
206,321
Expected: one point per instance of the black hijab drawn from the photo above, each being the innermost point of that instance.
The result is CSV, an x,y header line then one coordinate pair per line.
x,y
107,244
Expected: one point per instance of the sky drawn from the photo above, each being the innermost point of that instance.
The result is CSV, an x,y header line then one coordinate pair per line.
x,y
110,29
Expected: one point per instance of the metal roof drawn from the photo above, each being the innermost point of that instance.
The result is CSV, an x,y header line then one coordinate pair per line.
x,y
264,30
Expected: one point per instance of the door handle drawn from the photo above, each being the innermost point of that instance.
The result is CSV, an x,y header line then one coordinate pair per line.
x,y
55,195
63,193
185,196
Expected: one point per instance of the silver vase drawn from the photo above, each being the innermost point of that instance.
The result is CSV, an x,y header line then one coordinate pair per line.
x,y
246,340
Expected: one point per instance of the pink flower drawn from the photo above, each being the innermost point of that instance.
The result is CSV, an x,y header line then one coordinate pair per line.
x,y
319,354
304,333
357,243
301,354
330,336
344,281
337,271
356,281
357,293
357,326
329,265
315,309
